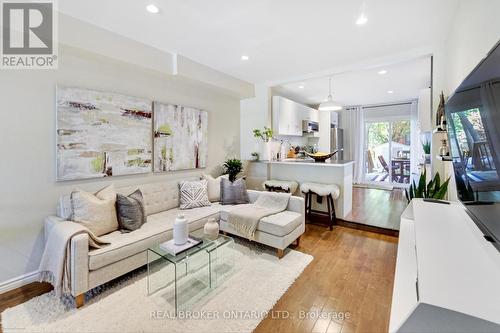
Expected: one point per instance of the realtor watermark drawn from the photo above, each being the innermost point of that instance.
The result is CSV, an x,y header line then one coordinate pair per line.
x,y
29,34
247,315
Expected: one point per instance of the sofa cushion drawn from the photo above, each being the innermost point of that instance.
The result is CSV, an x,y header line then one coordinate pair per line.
x,y
158,229
280,224
130,211
96,211
193,194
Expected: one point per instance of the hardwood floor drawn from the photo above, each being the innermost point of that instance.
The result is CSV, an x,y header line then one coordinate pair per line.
x,y
375,207
352,272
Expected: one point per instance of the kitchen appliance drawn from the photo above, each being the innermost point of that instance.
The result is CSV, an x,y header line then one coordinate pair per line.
x,y
309,126
337,143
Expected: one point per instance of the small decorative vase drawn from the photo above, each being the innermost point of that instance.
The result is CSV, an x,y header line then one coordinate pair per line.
x,y
180,230
211,229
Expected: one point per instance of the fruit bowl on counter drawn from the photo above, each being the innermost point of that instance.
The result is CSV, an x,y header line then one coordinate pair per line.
x,y
321,157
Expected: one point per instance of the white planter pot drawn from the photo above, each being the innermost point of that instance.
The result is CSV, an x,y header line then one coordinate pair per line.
x,y
265,151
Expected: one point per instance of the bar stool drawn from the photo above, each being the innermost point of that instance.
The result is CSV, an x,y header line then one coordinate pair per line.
x,y
330,191
287,186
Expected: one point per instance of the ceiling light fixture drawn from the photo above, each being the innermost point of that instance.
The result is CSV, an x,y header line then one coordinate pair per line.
x,y
362,19
390,91
153,9
329,105
382,72
244,57
301,86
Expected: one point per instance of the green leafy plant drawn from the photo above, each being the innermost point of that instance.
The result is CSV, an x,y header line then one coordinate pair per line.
x,y
427,147
265,135
255,155
434,189
232,167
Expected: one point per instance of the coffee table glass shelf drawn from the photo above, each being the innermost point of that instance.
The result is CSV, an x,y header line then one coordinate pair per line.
x,y
184,279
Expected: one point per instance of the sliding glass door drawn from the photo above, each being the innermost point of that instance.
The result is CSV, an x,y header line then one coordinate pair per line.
x,y
387,151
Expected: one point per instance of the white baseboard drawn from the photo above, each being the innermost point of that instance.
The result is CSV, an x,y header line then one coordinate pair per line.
x,y
19,281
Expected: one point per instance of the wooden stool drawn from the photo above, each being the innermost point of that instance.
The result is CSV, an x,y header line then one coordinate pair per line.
x,y
330,191
286,186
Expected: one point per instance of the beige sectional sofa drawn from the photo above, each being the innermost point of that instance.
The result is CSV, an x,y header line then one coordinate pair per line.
x,y
127,251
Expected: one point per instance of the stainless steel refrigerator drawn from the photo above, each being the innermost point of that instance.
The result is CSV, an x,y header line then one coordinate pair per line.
x,y
337,142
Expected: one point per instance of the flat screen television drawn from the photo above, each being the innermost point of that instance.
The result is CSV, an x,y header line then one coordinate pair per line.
x,y
473,124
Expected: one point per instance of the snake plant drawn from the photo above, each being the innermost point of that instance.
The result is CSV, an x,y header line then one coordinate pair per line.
x,y
433,189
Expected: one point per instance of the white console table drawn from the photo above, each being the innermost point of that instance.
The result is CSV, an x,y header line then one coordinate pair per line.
x,y
447,275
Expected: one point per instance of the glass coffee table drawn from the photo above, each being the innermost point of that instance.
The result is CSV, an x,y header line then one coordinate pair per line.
x,y
187,277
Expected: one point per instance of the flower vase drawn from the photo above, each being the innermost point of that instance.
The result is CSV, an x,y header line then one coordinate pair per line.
x,y
265,151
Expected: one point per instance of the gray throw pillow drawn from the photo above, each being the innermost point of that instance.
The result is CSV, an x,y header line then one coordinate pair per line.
x,y
193,194
233,193
130,211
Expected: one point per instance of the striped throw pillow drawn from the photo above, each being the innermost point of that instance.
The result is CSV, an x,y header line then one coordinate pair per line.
x,y
193,194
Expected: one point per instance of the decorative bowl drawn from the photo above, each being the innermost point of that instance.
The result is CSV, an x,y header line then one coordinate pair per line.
x,y
321,157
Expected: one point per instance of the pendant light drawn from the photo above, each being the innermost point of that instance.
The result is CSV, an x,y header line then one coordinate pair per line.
x,y
330,105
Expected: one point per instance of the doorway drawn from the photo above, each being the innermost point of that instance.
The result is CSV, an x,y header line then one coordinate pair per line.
x,y
387,151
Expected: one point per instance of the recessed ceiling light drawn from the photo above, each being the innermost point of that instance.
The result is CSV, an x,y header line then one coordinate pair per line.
x,y
301,86
390,91
382,72
244,57
153,9
362,19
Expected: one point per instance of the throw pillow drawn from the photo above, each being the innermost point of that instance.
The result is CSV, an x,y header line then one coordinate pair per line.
x,y
96,211
131,211
214,186
233,193
193,194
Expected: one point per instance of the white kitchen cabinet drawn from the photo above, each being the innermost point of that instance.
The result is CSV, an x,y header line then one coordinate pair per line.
x,y
287,116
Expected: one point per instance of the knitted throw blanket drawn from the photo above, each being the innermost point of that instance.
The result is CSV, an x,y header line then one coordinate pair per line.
x,y
246,218
55,266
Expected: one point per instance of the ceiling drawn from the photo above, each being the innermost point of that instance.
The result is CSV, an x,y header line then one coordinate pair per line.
x,y
364,87
282,38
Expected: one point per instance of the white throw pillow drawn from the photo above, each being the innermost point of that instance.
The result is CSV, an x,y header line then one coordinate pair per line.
x,y
96,211
214,186
193,194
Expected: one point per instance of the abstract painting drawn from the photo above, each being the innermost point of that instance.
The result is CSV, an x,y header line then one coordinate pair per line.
x,y
102,134
180,137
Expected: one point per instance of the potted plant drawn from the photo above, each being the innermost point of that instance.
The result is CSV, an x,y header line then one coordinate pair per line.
x,y
427,151
255,156
434,189
265,135
232,167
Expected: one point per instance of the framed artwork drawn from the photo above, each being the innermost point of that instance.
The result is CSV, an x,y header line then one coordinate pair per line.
x,y
180,137
102,134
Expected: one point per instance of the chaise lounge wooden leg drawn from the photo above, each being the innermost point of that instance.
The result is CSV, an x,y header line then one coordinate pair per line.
x,y
297,241
80,300
280,253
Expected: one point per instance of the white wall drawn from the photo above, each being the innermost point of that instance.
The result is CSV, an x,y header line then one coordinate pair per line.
x,y
255,112
27,126
475,30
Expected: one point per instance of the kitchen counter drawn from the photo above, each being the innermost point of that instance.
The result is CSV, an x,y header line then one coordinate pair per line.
x,y
307,170
311,162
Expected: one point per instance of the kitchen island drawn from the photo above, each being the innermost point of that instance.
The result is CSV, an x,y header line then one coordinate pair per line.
x,y
306,170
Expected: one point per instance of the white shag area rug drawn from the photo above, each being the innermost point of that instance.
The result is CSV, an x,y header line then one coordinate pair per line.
x,y
251,288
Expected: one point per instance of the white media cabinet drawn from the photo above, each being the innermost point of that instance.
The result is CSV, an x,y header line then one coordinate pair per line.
x,y
447,275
